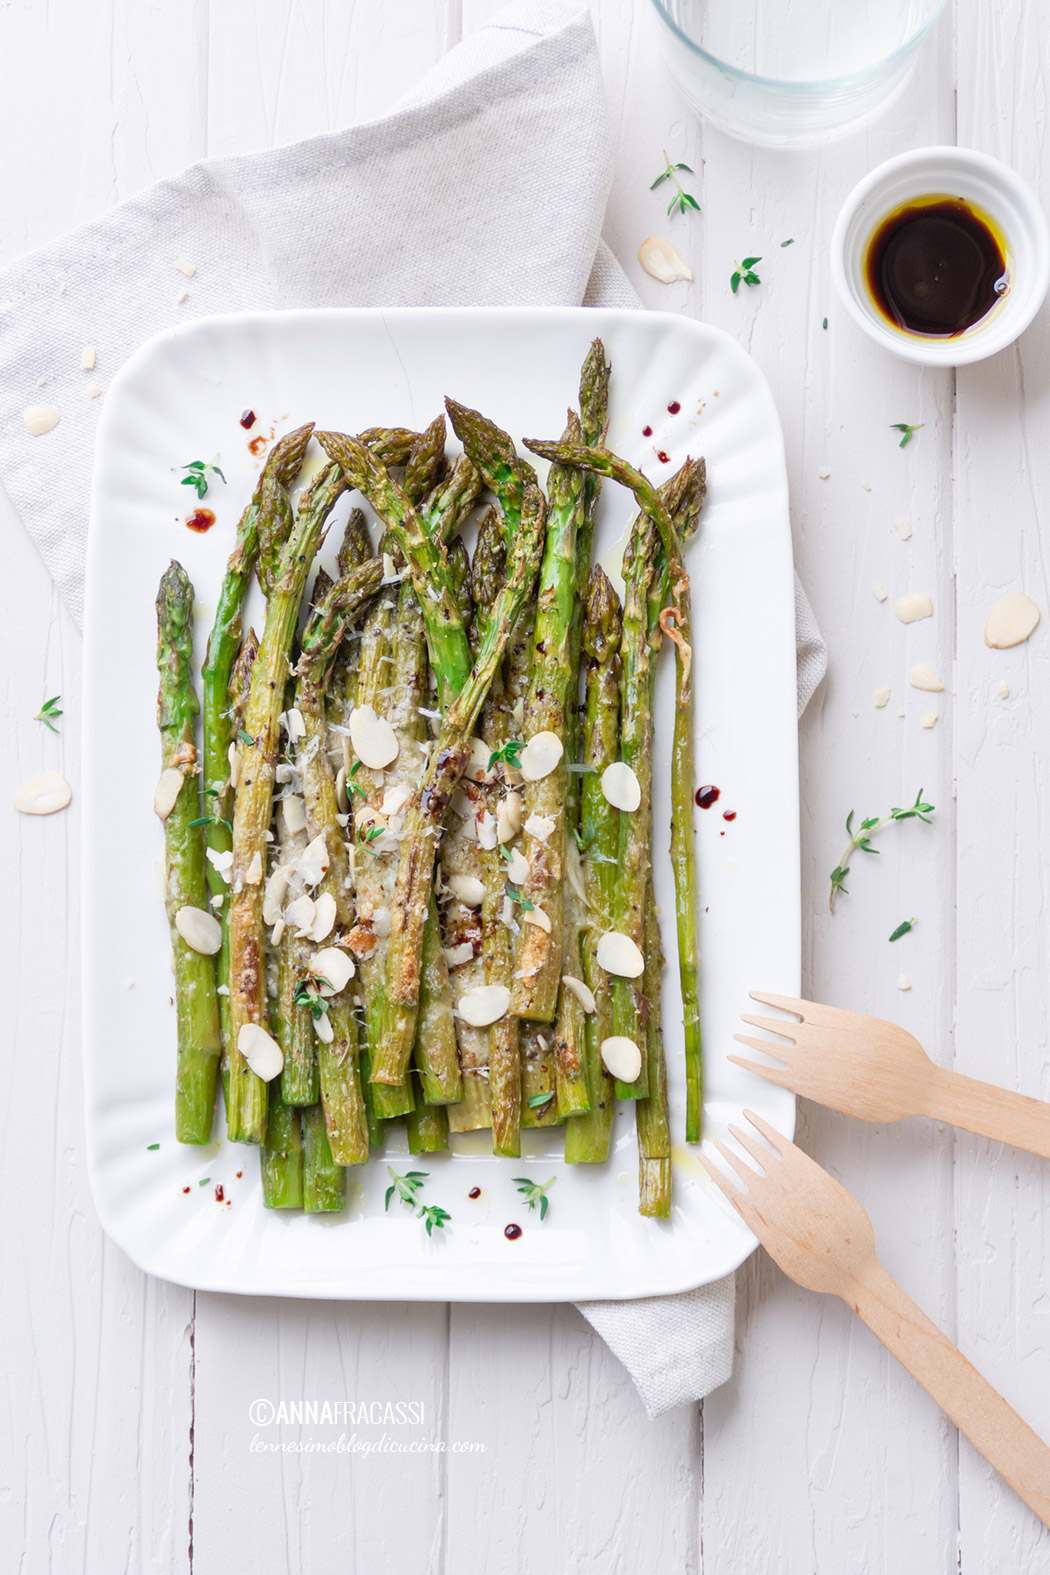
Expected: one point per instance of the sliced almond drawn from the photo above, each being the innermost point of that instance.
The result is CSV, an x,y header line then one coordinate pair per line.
x,y
662,260
253,874
362,941
924,677
484,1005
537,917
902,527
201,931
881,697
184,265
930,719
168,789
233,755
540,756
540,827
583,994
222,862
517,871
620,787
1011,621
916,605
313,861
487,831
277,933
323,1028
394,800
335,965
618,954
261,1051
342,796
294,809
40,419
374,740
43,795
879,591
324,917
468,889
296,725
478,765
622,1058
301,914
456,956
274,895
87,358
381,923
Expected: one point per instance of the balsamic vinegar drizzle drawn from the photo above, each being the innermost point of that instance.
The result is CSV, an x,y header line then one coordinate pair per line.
x,y
935,267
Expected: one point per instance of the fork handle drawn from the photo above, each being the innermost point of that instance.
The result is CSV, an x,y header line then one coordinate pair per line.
x,y
977,1410
989,1111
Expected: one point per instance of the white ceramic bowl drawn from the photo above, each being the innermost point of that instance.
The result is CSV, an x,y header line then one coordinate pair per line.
x,y
954,172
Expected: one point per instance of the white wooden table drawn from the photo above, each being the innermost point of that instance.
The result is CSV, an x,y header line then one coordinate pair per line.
x,y
126,1430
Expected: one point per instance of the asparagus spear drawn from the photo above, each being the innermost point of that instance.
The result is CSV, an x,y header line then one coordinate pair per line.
x,y
539,954
281,1158
240,686
427,808
185,886
293,1021
324,1182
587,1136
268,514
246,1112
594,419
651,1115
569,1031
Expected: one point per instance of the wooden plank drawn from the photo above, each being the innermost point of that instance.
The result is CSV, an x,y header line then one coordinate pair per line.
x,y
1002,488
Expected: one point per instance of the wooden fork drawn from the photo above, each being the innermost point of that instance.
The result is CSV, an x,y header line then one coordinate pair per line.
x,y
822,1239
873,1070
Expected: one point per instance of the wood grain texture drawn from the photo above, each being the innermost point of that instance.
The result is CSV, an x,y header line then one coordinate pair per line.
x,y
820,1457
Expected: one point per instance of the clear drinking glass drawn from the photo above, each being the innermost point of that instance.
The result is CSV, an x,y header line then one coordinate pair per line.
x,y
792,72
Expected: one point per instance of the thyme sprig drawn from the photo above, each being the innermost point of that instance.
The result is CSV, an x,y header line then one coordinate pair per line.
x,y
48,712
744,273
534,1193
198,473
860,840
407,1188
907,430
682,199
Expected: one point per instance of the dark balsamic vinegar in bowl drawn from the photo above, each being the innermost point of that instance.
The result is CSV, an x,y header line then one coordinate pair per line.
x,y
936,266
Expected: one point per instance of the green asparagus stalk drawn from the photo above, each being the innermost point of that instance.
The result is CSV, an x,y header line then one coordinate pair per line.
x,y
570,1029
324,1182
427,1128
587,1136
281,1158
185,886
267,514
299,1083
539,954
539,1094
594,420
246,1113
435,1053
240,686
651,1113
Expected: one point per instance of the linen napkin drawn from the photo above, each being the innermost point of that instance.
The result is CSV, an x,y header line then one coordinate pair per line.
x,y
510,123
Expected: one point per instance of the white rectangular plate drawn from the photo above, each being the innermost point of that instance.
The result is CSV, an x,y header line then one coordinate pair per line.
x,y
179,399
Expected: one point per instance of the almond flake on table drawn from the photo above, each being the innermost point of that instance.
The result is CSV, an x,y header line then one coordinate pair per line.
x,y
485,1004
43,795
1004,689
881,697
581,991
879,591
540,756
823,474
663,262
622,1058
40,419
924,677
930,719
182,297
620,787
93,390
374,740
618,954
261,1051
184,265
902,528
903,982
1011,621
914,606
201,931
87,358
866,486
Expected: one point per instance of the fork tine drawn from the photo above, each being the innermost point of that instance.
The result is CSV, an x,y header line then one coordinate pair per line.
x,y
772,1074
787,1003
762,1155
731,1193
745,1171
783,1145
778,1052
810,1011
772,1025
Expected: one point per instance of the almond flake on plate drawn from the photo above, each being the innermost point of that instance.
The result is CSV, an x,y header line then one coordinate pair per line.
x,y
582,992
537,917
468,889
323,1028
484,1005
201,931
456,956
381,923
477,769
168,789
253,874
301,914
622,1058
539,826
508,817
313,861
274,895
620,787
517,870
324,917
334,965
233,755
540,756
618,954
487,832
261,1051
43,795
374,740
